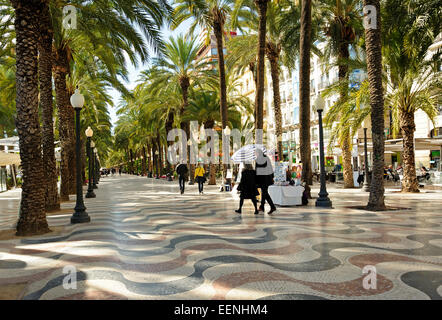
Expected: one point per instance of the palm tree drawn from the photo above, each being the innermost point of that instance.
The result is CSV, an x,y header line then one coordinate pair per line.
x,y
107,32
32,217
304,91
211,15
177,71
204,107
260,71
413,78
242,54
343,26
46,101
374,68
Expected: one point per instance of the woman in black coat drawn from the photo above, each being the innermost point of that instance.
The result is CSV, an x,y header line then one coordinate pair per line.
x,y
264,179
247,187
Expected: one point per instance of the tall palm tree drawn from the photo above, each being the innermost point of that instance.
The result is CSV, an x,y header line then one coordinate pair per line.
x,y
47,105
32,217
414,82
211,15
344,25
260,70
204,107
374,68
178,71
243,55
107,30
304,91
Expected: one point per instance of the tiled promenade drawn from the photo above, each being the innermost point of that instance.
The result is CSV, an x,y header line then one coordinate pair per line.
x,y
145,241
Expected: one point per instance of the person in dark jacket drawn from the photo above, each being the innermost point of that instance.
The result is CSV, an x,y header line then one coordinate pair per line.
x,y
264,179
247,187
182,170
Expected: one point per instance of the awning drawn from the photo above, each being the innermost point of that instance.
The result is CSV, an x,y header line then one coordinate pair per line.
x,y
9,159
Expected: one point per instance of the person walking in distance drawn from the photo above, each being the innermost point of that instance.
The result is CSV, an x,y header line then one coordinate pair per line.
x,y
247,187
199,177
264,179
181,171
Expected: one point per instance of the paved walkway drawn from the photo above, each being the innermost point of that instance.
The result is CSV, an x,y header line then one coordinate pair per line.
x,y
145,241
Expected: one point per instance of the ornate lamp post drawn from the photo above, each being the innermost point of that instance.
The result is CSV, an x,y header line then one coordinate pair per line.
x,y
366,186
323,200
93,161
80,215
90,190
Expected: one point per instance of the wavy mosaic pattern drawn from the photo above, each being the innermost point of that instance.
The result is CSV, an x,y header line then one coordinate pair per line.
x,y
146,241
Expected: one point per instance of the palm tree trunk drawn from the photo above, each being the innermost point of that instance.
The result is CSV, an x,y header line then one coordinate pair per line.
x,y
346,144
169,126
347,165
273,55
304,92
32,217
52,200
374,69
64,112
407,124
160,157
212,167
131,166
149,161
218,29
143,162
259,100
185,125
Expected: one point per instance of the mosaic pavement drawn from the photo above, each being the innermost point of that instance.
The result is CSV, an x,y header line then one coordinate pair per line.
x,y
146,241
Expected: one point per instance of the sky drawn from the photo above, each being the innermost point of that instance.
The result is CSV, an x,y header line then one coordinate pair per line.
x,y
134,72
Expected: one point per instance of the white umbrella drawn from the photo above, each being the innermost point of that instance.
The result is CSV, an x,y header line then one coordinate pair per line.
x,y
247,153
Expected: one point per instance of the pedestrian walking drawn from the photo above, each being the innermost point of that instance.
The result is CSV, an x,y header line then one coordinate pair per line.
x,y
182,171
264,179
247,187
199,177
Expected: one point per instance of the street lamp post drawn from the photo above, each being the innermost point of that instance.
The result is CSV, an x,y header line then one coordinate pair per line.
x,y
94,174
80,215
323,200
366,186
90,190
